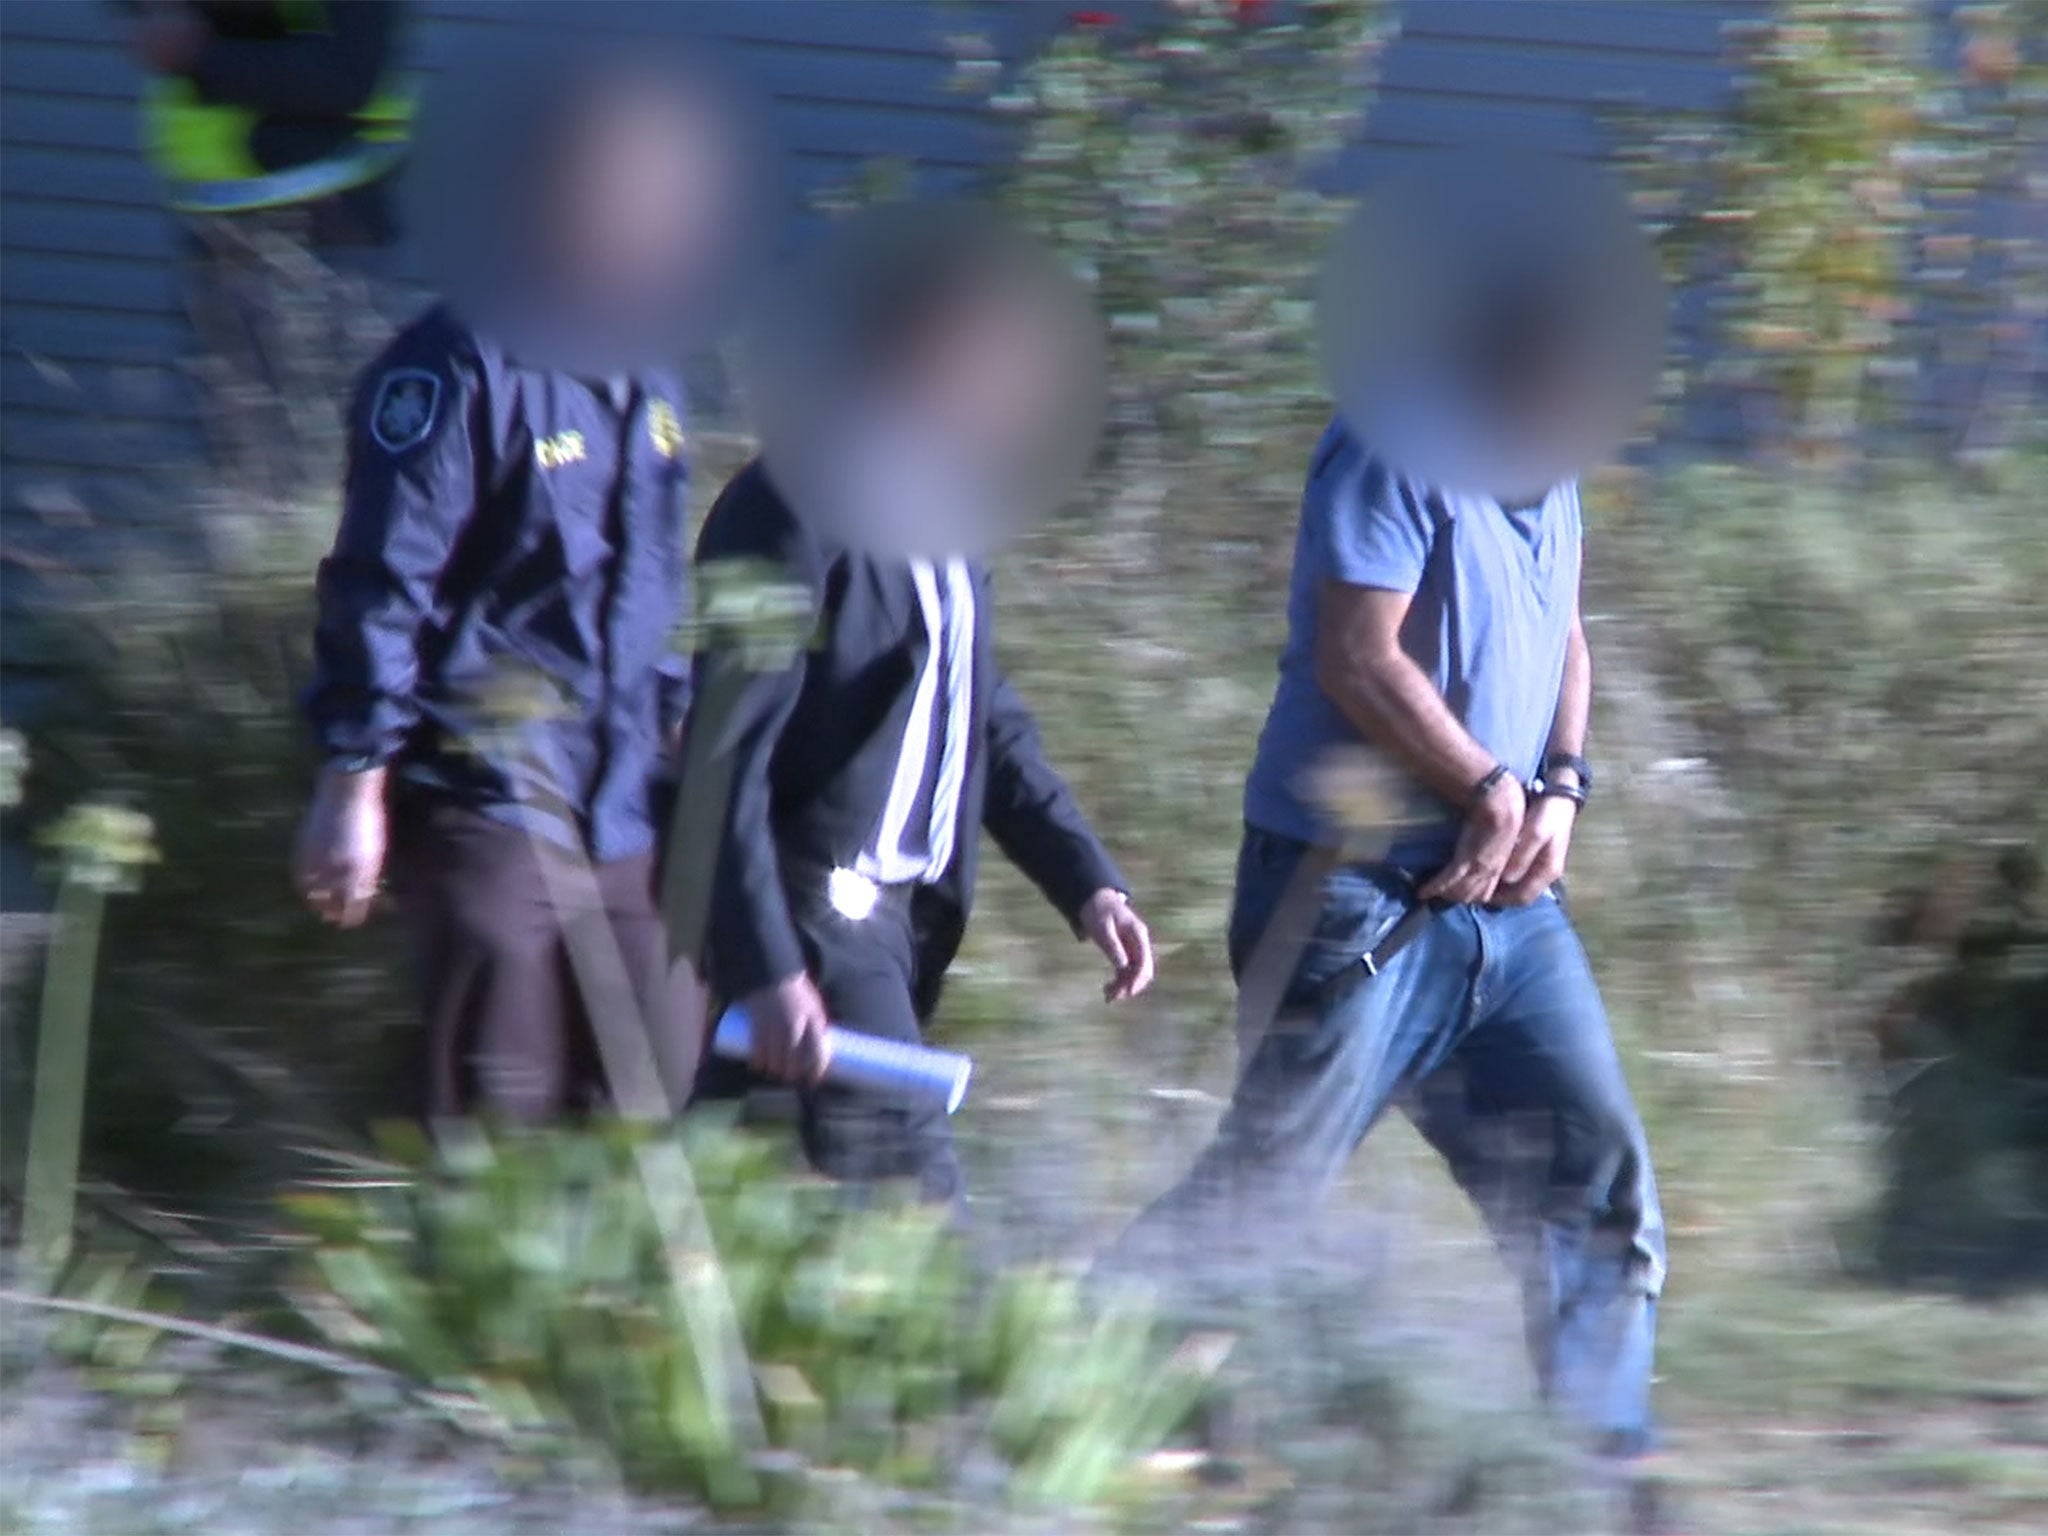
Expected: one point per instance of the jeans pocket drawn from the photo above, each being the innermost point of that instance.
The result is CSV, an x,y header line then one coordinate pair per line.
x,y
1265,864
1358,908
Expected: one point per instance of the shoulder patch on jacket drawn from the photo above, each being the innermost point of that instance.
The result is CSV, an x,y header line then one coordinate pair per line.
x,y
403,411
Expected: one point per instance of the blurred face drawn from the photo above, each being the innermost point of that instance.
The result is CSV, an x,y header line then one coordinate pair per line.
x,y
1492,321
1531,385
1550,405
926,381
640,194
986,375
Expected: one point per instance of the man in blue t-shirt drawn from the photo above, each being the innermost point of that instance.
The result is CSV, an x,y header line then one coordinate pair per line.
x,y
1440,631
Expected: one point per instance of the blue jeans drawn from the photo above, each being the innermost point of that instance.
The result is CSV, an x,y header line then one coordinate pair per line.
x,y
1487,1030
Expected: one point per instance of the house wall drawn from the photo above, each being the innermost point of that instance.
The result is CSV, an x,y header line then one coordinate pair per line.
x,y
91,323
92,397
91,327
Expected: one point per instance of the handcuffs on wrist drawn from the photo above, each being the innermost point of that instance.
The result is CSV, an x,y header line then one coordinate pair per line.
x,y
1545,786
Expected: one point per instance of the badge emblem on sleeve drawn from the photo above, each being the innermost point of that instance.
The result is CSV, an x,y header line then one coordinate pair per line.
x,y
562,448
664,429
403,413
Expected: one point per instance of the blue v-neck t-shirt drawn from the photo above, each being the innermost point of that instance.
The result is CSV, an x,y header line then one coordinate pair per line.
x,y
1494,594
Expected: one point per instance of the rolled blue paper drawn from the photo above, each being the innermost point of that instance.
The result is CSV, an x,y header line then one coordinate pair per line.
x,y
866,1061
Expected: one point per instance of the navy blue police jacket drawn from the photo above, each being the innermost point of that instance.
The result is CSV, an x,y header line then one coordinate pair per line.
x,y
498,616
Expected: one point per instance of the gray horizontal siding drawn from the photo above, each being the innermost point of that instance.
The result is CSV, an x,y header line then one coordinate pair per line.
x,y
69,176
78,335
1672,29
91,331
61,226
97,392
91,323
1539,73
57,66
1454,68
67,280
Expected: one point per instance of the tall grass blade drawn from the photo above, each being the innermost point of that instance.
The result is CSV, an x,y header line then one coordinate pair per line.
x,y
57,1118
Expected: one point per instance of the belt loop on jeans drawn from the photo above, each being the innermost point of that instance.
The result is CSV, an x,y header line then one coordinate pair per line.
x,y
1404,932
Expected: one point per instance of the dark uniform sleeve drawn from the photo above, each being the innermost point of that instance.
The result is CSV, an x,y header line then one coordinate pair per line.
x,y
414,472
331,73
675,664
1033,815
675,693
740,705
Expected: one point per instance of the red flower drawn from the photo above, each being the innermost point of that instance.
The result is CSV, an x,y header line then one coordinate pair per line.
x,y
1096,19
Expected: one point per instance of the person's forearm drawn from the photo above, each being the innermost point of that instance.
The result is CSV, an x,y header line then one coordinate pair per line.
x,y
1033,816
1393,702
1574,698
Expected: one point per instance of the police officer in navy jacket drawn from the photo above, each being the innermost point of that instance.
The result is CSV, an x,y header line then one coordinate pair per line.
x,y
495,696
493,664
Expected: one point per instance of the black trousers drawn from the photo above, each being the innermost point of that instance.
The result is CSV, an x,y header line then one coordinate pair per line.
x,y
497,919
881,976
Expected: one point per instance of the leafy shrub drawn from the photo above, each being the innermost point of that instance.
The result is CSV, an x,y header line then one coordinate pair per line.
x,y
1865,660
1863,665
562,1281
228,1024
1966,1047
1179,170
1843,215
227,1021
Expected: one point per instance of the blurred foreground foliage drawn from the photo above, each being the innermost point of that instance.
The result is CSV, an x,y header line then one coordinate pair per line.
x,y
1177,169
723,1328
229,1026
714,1326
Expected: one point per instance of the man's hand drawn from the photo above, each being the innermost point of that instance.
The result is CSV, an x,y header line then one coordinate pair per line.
x,y
1112,924
1484,847
169,39
340,859
1538,860
789,1020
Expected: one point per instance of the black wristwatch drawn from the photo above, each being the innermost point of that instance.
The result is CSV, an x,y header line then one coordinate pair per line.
x,y
1576,793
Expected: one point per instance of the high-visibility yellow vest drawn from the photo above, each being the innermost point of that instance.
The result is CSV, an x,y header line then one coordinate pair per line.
x,y
202,148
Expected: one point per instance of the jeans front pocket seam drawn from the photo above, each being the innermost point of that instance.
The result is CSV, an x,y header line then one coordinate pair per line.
x,y
1327,958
